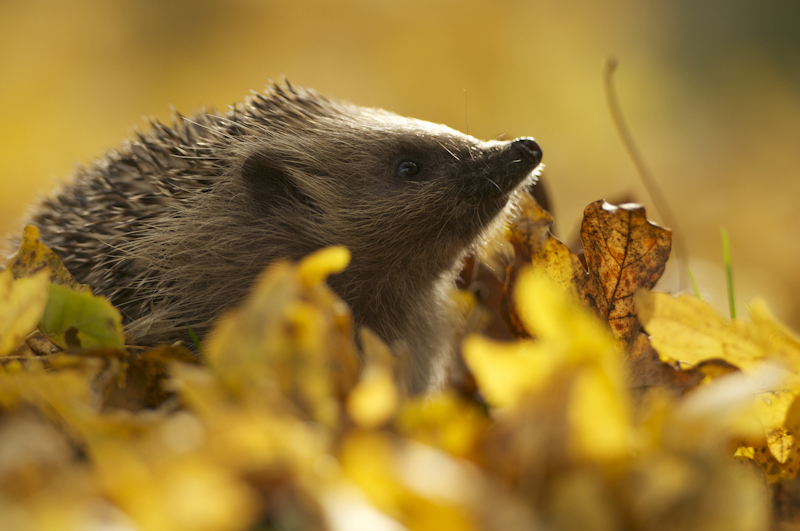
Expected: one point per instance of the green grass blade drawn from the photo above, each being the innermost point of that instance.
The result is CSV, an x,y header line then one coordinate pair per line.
x,y
197,344
726,253
694,284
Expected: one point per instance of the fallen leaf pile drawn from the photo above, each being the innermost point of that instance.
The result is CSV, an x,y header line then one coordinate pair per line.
x,y
616,407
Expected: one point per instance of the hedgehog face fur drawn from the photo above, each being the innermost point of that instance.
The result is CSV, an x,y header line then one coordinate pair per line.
x,y
175,227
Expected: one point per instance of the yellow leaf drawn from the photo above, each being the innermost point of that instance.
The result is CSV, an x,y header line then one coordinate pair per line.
x,y
244,339
445,421
780,343
316,267
505,371
771,407
783,441
182,492
368,459
374,400
376,351
599,416
421,488
725,407
67,392
43,486
33,256
687,329
554,315
534,245
567,335
286,341
22,304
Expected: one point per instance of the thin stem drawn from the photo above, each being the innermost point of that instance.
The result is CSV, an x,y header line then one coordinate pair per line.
x,y
650,184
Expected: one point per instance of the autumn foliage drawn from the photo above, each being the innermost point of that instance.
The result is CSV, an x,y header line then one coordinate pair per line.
x,y
615,407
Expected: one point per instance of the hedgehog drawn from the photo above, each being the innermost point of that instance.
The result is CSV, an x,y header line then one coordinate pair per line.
x,y
174,226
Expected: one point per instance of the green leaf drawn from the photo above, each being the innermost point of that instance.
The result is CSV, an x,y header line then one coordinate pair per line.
x,y
81,320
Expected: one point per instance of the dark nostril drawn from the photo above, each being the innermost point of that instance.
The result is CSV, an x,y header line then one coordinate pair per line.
x,y
529,149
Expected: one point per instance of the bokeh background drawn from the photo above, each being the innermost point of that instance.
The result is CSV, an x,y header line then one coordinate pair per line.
x,y
710,88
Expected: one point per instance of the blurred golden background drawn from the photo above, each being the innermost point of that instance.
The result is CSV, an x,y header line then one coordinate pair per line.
x,y
711,91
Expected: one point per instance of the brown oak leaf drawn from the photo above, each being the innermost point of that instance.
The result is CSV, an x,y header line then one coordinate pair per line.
x,y
624,252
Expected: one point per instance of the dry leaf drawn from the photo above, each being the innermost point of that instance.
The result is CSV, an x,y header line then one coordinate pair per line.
x,y
686,329
506,372
534,245
374,400
177,491
41,345
22,304
141,385
573,355
624,252
480,280
317,267
33,256
646,370
290,336
73,317
418,486
281,431
445,421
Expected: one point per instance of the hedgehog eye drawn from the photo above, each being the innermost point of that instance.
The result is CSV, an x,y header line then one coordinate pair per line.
x,y
408,170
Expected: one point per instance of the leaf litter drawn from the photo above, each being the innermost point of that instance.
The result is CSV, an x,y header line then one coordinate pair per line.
x,y
615,407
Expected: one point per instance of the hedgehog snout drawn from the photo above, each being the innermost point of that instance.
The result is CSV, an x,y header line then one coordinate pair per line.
x,y
529,149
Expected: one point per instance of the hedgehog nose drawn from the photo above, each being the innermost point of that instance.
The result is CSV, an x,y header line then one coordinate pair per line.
x,y
529,149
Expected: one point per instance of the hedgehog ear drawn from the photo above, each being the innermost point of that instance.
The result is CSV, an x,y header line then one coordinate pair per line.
x,y
269,184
